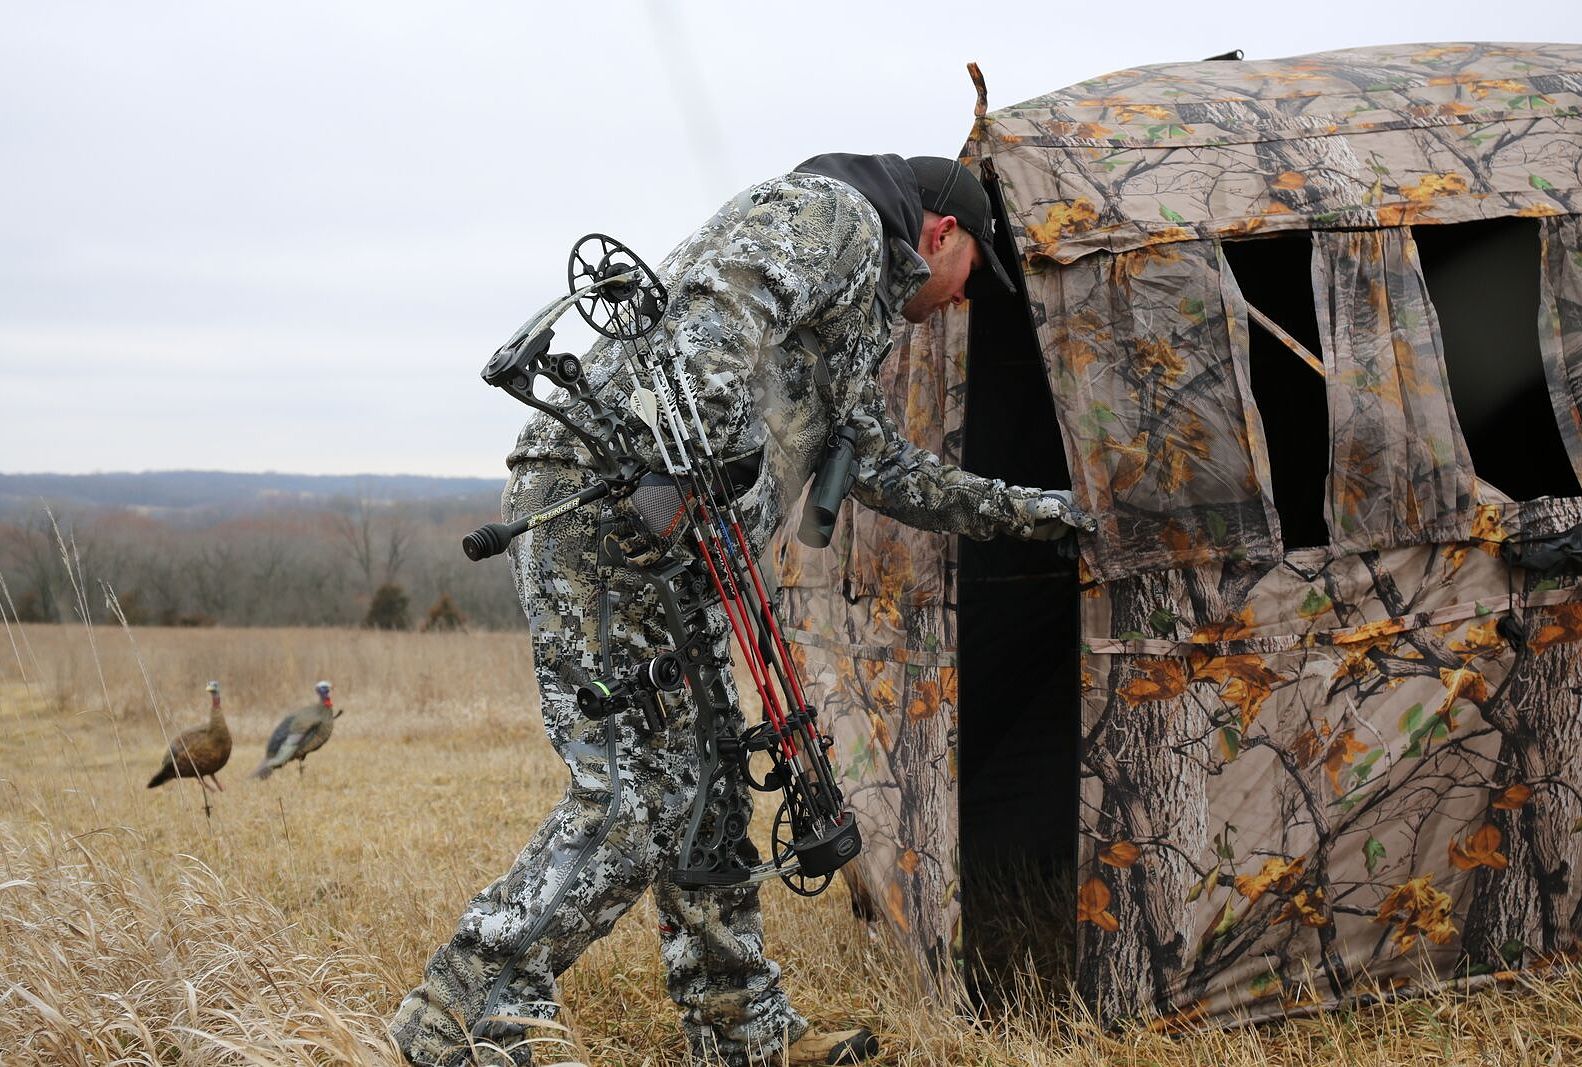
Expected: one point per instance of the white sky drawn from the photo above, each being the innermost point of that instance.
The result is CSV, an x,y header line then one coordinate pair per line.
x,y
286,236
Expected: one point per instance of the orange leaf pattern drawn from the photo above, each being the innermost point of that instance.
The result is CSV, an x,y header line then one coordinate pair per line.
x,y
1157,678
1480,850
1093,901
1277,873
1513,798
1304,907
1462,683
1342,751
1416,907
1245,681
1562,625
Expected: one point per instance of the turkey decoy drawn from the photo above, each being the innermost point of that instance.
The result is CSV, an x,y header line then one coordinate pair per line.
x,y
199,752
299,733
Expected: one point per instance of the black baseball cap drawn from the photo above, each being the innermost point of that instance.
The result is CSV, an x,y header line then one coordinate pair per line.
x,y
948,188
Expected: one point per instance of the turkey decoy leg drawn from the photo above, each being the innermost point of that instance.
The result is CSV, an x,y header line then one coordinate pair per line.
x,y
216,780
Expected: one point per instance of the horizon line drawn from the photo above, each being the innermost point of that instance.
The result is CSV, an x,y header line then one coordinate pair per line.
x,y
254,473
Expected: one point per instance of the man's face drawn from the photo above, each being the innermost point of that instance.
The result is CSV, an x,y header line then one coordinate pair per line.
x,y
950,262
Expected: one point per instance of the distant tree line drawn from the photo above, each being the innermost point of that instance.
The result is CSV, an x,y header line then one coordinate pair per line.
x,y
354,561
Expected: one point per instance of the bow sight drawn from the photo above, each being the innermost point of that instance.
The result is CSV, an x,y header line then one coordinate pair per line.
x,y
814,834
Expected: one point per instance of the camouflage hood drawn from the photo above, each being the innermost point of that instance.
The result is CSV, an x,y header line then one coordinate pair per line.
x,y
886,182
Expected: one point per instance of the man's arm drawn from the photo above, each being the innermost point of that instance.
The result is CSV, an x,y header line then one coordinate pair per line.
x,y
912,485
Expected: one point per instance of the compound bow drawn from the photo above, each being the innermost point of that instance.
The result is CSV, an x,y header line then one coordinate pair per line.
x,y
814,833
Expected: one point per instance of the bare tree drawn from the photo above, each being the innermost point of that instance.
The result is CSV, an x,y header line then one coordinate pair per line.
x,y
375,537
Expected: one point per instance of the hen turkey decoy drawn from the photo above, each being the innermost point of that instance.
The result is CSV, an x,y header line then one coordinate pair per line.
x,y
199,752
299,733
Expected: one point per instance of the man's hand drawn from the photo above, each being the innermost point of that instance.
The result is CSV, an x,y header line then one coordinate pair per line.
x,y
1052,515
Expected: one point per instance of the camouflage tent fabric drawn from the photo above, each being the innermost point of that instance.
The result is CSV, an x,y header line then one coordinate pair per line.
x,y
874,633
1144,164
1333,773
1402,474
1560,327
1172,420
1306,775
1363,138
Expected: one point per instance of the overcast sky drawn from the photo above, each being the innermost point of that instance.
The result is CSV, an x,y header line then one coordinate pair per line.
x,y
285,236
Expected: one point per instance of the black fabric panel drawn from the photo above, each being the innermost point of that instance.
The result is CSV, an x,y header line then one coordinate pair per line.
x,y
1019,638
1483,278
1276,276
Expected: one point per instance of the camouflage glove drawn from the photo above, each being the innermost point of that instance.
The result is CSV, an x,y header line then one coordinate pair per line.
x,y
1052,515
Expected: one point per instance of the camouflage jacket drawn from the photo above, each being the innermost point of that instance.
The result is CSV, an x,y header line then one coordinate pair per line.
x,y
791,271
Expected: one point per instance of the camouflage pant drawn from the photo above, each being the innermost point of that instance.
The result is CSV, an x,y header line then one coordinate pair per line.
x,y
613,835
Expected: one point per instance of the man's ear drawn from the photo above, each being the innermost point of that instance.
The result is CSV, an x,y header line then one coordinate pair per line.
x,y
936,228
947,226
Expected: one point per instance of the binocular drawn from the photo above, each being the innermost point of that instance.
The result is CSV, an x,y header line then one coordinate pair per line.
x,y
830,485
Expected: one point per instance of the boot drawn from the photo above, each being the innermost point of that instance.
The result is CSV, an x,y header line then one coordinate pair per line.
x,y
507,1042
830,1047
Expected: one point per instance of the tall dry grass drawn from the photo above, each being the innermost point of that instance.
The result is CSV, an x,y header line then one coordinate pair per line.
x,y
284,928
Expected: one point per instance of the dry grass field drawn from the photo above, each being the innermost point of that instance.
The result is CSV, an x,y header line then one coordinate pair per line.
x,y
284,928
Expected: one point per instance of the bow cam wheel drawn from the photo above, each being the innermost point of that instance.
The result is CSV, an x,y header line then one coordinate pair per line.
x,y
782,841
628,299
